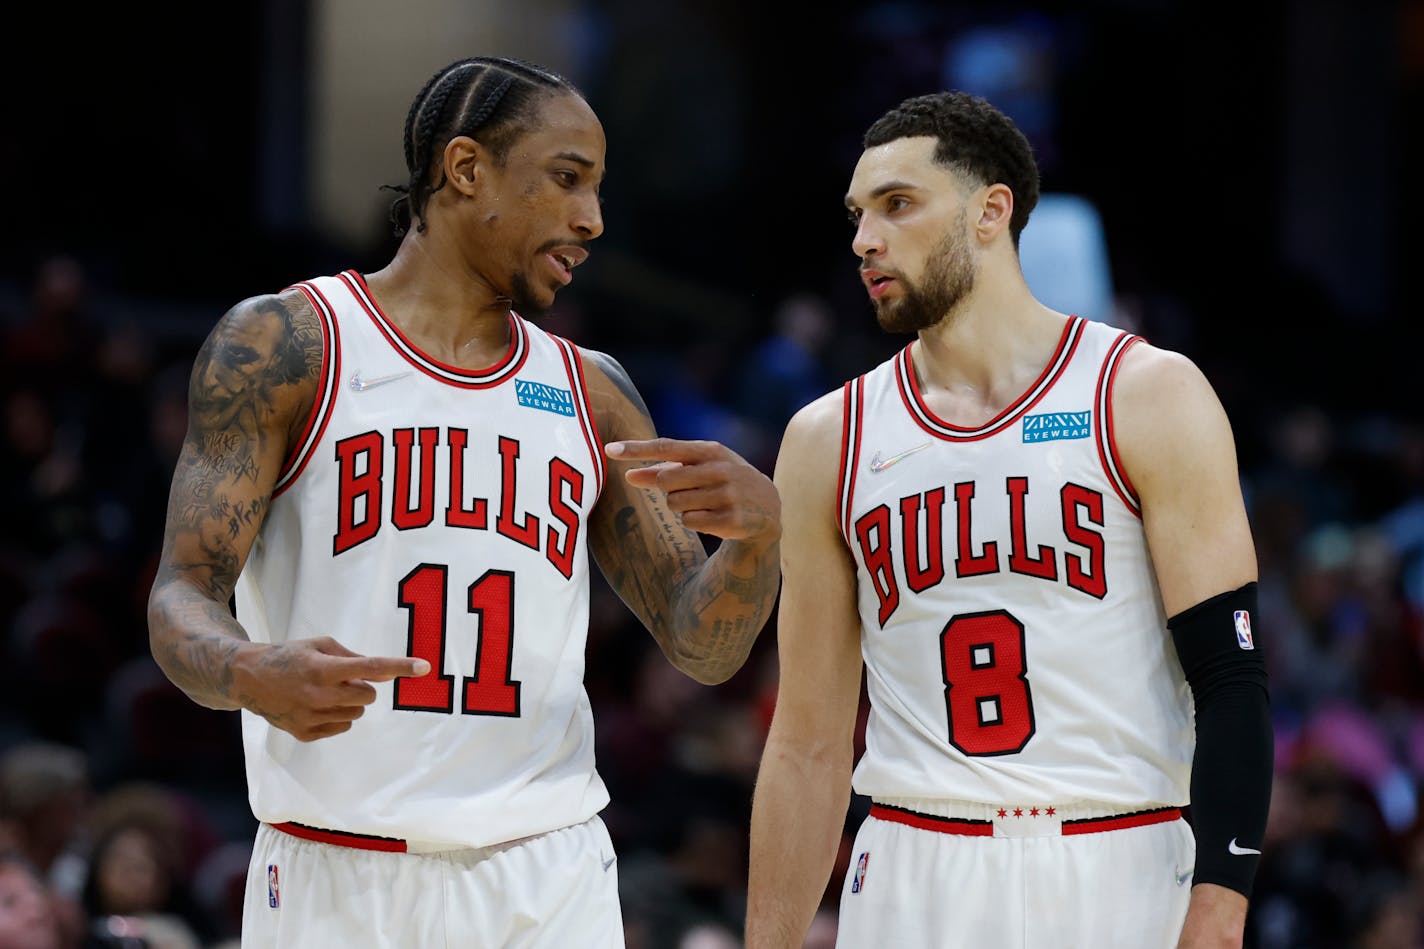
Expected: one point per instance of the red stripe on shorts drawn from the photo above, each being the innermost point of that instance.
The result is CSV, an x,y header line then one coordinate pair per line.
x,y
343,839
944,825
1096,825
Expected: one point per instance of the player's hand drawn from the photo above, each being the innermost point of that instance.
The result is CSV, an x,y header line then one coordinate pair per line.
x,y
711,488
313,688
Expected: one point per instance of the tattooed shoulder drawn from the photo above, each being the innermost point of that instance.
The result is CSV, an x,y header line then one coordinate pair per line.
x,y
257,370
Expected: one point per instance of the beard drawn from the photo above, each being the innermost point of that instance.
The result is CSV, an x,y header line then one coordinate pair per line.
x,y
521,298
948,278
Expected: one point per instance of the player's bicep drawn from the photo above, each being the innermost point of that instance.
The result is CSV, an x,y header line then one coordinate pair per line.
x,y
249,385
1179,451
818,626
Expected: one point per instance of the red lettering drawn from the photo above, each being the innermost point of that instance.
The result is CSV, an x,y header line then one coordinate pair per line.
x,y
403,516
1045,565
363,490
872,530
1093,580
968,563
525,532
563,475
476,516
922,578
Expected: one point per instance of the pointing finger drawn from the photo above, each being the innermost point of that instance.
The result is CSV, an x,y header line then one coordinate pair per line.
x,y
663,449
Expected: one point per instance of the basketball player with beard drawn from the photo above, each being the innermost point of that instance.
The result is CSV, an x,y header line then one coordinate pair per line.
x,y
400,477
1026,531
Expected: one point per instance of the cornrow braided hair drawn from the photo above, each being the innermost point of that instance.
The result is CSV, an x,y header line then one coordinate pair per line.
x,y
490,95
974,138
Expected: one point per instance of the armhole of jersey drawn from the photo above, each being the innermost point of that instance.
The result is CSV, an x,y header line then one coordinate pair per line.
x,y
854,397
1103,430
326,391
573,364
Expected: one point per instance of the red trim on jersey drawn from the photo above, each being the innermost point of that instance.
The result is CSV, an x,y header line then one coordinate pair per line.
x,y
340,838
573,365
1103,434
914,401
1097,825
960,826
328,388
850,453
502,371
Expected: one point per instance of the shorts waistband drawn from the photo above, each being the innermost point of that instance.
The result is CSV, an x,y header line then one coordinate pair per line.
x,y
341,838
1016,820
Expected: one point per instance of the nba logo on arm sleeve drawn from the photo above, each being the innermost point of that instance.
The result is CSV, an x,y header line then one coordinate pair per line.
x,y
1243,630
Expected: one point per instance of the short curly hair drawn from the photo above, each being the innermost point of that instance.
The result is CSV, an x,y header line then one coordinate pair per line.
x,y
974,138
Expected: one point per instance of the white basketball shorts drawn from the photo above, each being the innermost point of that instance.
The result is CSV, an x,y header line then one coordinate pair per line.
x,y
550,891
926,875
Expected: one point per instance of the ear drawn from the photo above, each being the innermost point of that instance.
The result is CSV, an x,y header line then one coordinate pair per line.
x,y
466,162
996,207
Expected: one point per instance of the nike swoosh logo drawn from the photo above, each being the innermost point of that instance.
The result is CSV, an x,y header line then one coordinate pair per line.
x,y
1184,876
361,385
1240,851
878,464
608,863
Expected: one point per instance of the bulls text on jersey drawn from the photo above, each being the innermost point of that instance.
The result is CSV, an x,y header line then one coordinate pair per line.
x,y
364,502
921,553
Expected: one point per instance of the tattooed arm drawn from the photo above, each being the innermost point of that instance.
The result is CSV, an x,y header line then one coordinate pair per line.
x,y
249,395
705,613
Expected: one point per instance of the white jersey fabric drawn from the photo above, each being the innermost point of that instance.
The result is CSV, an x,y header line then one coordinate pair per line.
x,y
1015,647
436,512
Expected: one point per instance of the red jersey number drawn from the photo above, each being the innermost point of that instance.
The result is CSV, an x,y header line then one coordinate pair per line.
x,y
490,691
986,688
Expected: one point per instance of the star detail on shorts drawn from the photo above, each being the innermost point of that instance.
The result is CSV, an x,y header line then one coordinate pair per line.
x,y
1033,812
1018,812
1003,813
1051,811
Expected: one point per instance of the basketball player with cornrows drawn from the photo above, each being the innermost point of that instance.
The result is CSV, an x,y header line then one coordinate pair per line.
x,y
400,477
1026,530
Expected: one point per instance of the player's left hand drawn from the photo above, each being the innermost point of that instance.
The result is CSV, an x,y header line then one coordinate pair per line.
x,y
1216,919
711,488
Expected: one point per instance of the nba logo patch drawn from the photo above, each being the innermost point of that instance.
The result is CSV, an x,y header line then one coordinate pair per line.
x,y
859,880
1243,630
274,894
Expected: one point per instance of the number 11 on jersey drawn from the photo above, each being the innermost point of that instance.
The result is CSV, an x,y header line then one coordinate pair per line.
x,y
490,691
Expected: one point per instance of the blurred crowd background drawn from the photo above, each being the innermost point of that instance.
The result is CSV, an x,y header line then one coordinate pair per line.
x,y
1236,182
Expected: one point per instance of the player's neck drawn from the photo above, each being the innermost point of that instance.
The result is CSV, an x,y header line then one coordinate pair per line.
x,y
983,356
447,310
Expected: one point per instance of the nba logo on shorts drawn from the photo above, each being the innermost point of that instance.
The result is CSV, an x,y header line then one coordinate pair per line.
x,y
1243,630
274,895
860,872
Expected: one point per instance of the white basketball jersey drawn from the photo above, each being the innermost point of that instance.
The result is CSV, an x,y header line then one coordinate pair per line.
x,y
442,513
1014,641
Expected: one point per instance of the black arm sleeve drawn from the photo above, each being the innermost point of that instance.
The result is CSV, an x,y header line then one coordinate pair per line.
x,y
1233,765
